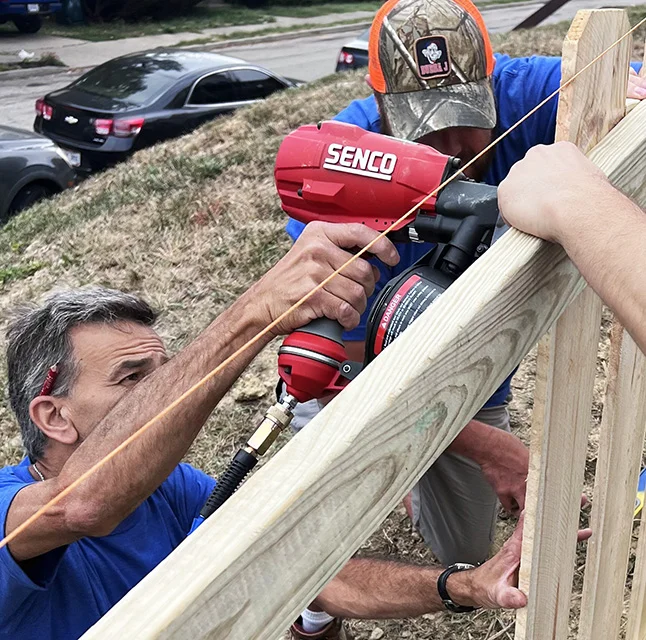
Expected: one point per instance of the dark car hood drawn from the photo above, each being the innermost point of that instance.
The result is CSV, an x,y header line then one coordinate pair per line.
x,y
73,97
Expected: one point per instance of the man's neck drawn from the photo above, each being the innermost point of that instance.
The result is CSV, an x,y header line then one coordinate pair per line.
x,y
53,459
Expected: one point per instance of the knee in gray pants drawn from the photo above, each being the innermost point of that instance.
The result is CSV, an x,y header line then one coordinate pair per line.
x,y
454,507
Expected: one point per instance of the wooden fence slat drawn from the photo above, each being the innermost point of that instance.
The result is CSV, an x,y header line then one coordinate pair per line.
x,y
620,451
251,568
567,356
636,629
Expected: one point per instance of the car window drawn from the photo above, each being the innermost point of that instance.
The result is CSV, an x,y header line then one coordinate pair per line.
x,y
254,84
214,89
134,81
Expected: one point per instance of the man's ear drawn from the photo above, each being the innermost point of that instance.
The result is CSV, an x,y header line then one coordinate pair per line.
x,y
50,415
369,81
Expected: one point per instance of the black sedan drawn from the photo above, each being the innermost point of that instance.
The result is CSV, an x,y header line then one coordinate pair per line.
x,y
31,168
354,54
137,100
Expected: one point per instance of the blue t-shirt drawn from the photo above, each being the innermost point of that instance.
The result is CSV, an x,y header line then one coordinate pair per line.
x,y
519,84
61,594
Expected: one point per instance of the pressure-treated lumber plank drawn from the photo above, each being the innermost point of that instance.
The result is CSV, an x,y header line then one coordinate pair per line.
x,y
291,527
567,356
636,629
620,450
252,567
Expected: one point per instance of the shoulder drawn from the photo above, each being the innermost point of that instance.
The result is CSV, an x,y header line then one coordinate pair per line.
x,y
507,67
186,490
363,113
13,478
186,477
526,79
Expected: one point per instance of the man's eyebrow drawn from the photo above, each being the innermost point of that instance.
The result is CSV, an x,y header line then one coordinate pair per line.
x,y
129,365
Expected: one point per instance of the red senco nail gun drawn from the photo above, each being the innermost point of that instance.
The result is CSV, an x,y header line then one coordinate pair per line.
x,y
336,172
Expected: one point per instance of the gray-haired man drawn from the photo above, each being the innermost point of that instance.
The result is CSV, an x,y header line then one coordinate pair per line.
x,y
86,370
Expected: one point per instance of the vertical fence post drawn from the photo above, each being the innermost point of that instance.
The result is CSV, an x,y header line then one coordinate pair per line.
x,y
567,355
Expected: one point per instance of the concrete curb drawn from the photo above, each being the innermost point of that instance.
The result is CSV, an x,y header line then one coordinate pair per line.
x,y
34,71
273,37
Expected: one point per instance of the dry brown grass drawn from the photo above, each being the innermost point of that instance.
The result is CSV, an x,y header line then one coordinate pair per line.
x,y
189,225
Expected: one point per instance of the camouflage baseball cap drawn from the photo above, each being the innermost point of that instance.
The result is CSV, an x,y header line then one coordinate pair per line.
x,y
430,64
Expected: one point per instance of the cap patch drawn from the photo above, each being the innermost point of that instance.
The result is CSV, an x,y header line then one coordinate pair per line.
x,y
432,56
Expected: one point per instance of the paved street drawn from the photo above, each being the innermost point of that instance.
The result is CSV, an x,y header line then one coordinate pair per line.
x,y
304,58
17,97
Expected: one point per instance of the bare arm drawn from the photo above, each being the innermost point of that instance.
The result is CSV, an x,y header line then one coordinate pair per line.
x,y
557,194
367,588
109,495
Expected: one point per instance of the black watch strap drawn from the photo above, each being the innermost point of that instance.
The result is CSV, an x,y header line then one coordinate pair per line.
x,y
444,594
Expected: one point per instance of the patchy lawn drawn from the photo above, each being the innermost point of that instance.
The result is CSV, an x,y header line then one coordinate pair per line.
x,y
266,31
190,224
200,18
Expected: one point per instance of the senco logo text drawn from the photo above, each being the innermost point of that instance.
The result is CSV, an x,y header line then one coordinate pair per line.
x,y
362,162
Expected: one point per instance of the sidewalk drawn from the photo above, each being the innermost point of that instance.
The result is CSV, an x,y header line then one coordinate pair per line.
x,y
81,53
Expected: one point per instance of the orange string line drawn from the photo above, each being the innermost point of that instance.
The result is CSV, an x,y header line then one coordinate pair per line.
x,y
198,385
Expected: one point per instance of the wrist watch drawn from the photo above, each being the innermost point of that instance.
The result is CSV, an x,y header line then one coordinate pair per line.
x,y
444,594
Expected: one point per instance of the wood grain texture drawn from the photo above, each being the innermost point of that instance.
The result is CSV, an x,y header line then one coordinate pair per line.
x,y
291,527
636,629
567,356
618,464
597,98
252,567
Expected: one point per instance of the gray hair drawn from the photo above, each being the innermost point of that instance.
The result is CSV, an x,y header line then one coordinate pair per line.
x,y
38,338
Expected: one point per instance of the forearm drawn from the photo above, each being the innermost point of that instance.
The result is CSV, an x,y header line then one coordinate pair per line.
x,y
473,441
367,588
605,237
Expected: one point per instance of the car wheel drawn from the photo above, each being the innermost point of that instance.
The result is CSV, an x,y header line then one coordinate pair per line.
x,y
28,196
28,24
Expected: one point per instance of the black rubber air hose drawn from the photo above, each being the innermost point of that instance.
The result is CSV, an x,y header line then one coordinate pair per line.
x,y
241,465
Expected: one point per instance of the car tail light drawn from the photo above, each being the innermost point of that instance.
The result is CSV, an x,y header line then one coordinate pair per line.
x,y
103,126
127,127
346,58
44,110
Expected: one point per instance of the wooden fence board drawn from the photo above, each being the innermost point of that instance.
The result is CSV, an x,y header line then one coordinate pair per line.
x,y
567,356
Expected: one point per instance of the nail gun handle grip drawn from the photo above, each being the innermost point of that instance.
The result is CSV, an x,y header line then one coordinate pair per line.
x,y
325,328
228,483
